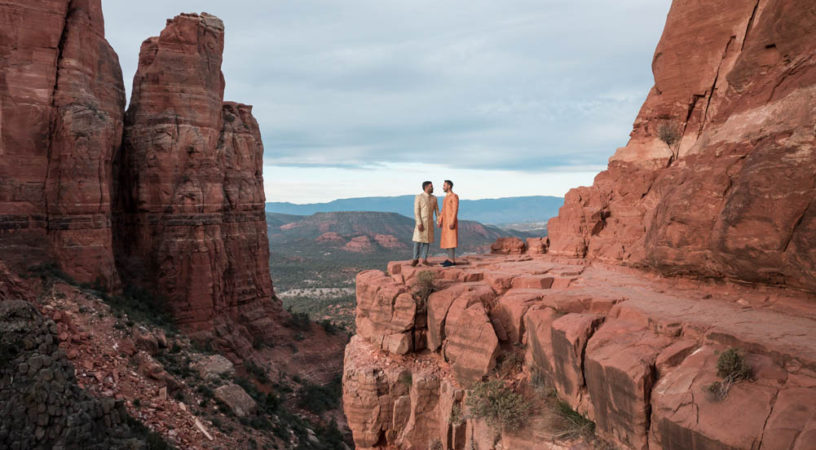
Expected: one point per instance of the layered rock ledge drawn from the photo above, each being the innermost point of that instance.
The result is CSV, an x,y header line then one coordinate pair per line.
x,y
717,177
631,351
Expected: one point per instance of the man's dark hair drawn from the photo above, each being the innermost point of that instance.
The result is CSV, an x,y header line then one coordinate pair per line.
x,y
425,184
450,183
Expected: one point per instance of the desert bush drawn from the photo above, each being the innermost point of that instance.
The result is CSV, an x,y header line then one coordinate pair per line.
x,y
330,326
456,416
509,363
424,286
576,424
298,321
669,132
406,378
498,405
732,368
256,371
317,399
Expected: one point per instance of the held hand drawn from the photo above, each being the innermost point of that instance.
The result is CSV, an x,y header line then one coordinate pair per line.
x,y
421,228
439,223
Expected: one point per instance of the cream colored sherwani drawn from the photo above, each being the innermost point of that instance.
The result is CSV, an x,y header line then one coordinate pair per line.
x,y
425,207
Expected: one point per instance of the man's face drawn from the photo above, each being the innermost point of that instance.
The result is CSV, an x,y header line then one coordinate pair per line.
x,y
446,187
429,188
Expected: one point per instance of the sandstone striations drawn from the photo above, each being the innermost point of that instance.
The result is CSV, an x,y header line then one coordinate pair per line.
x,y
168,197
61,108
191,193
190,221
632,352
717,178
717,182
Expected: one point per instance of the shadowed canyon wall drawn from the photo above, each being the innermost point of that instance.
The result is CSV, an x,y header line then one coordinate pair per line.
x,y
169,196
717,178
191,189
61,110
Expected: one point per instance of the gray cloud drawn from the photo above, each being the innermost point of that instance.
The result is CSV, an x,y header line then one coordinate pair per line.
x,y
520,85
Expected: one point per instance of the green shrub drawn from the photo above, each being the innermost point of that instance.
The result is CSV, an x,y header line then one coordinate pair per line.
x,y
318,399
256,371
298,321
329,326
731,364
406,378
456,416
509,363
498,405
732,368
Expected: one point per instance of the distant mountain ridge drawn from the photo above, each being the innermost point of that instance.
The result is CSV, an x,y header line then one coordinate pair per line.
x,y
366,232
497,211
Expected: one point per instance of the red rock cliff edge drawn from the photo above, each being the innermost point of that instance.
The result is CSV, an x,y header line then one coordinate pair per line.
x,y
61,107
718,178
191,189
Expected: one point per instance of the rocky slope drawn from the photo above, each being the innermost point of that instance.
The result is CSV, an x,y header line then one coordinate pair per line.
x,y
166,201
717,179
61,108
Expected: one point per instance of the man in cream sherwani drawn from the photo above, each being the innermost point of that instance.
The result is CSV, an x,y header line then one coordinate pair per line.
x,y
425,207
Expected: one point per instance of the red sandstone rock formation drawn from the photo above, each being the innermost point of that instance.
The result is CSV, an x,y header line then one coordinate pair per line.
x,y
191,188
359,244
717,179
388,241
61,108
631,351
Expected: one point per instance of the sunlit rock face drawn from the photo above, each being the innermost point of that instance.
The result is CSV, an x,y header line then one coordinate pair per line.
x,y
717,178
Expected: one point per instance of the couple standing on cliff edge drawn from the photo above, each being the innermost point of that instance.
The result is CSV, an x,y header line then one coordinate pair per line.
x,y
425,207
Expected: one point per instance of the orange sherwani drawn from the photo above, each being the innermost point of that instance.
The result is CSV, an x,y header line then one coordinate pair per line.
x,y
450,209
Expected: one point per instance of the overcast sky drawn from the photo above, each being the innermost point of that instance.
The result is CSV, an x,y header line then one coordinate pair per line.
x,y
370,97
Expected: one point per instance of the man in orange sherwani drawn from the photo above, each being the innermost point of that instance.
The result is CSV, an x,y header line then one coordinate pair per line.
x,y
449,223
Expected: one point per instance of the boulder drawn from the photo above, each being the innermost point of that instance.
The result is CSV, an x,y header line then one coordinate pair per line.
x,y
213,367
508,246
570,334
619,374
236,399
537,246
386,311
145,340
471,345
686,415
440,302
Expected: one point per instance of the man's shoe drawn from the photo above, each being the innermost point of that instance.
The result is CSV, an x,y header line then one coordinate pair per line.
x,y
414,262
447,263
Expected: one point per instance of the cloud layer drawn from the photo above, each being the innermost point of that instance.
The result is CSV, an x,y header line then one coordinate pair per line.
x,y
521,85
